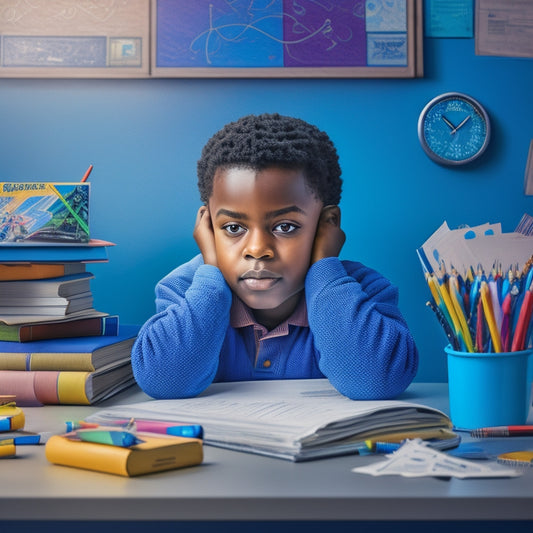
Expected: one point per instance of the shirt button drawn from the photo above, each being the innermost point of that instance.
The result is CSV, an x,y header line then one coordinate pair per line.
x,y
267,364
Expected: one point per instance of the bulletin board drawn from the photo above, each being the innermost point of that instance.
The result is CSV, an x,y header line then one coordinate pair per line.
x,y
211,38
74,38
285,38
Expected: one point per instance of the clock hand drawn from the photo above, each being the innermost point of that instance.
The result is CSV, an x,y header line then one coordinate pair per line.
x,y
452,127
462,123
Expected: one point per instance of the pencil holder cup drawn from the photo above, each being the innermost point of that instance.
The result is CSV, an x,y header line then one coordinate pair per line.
x,y
489,389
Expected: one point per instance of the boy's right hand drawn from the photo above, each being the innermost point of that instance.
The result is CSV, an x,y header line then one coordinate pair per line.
x,y
204,236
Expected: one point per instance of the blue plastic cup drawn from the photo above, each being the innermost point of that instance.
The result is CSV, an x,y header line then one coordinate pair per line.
x,y
489,389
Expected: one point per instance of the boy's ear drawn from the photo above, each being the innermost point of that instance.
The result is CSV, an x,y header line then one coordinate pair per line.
x,y
331,214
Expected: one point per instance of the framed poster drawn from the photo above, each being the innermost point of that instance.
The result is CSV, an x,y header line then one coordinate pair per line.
x,y
75,38
287,38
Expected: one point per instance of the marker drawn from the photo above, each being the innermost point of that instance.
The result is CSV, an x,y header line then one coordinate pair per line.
x,y
73,425
194,431
170,428
112,437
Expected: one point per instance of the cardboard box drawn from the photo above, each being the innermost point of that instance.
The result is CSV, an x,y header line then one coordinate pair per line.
x,y
44,212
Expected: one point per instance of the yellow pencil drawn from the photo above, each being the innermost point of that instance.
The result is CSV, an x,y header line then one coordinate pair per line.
x,y
456,299
446,305
489,316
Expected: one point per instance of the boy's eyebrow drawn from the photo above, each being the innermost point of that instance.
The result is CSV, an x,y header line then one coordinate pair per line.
x,y
231,214
270,214
285,210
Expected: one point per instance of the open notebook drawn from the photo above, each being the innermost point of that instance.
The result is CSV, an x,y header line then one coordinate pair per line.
x,y
290,419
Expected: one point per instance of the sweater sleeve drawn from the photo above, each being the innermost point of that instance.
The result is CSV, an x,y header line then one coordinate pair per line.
x,y
365,347
177,351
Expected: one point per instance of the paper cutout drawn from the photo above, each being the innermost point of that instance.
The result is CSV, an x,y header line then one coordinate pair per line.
x,y
416,459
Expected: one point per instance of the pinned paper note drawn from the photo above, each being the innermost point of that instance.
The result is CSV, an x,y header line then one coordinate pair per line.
x,y
416,459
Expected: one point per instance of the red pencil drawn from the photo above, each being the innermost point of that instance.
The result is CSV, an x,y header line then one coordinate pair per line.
x,y
524,318
503,431
87,173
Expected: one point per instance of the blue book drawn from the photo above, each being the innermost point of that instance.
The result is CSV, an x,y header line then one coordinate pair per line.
x,y
86,354
94,250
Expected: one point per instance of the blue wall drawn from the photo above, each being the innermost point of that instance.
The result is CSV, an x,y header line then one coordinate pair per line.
x,y
144,138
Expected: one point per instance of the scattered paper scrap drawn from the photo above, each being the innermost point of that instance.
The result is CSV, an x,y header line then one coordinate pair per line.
x,y
416,459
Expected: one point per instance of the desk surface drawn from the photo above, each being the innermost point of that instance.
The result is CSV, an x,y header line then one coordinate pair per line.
x,y
240,486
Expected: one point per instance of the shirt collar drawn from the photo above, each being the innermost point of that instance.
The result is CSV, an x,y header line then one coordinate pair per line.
x,y
241,316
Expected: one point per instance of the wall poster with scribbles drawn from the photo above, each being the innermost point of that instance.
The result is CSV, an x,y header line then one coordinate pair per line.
x,y
74,38
287,38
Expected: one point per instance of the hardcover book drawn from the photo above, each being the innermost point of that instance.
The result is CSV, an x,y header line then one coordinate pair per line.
x,y
32,271
94,324
79,354
154,454
60,287
49,387
95,251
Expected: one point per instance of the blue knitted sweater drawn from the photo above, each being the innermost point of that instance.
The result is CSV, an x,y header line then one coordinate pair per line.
x,y
356,336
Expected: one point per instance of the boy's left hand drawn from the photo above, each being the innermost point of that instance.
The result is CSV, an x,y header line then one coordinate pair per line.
x,y
329,238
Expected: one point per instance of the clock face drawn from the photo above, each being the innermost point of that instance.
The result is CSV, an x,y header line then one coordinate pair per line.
x,y
454,129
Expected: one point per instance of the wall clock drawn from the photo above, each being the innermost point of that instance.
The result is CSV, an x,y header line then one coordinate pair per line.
x,y
454,129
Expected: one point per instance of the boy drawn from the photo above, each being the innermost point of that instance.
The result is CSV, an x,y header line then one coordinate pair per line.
x,y
268,297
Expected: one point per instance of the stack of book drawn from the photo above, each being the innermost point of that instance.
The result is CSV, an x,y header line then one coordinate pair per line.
x,y
55,348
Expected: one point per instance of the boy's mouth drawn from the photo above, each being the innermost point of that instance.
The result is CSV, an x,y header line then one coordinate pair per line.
x,y
259,280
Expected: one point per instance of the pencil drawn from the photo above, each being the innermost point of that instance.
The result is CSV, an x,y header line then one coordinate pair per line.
x,y
87,173
524,317
457,302
503,431
489,317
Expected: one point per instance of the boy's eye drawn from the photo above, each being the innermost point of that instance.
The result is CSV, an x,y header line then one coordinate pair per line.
x,y
233,229
285,227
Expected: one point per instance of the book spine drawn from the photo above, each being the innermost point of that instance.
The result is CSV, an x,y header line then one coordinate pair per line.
x,y
45,387
90,327
30,388
72,388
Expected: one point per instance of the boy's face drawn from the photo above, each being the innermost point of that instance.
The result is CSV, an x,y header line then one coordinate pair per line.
x,y
264,225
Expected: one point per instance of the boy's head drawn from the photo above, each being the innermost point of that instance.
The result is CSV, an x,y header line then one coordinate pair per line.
x,y
267,181
261,141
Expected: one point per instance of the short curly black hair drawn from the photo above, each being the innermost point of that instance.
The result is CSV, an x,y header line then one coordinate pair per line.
x,y
262,141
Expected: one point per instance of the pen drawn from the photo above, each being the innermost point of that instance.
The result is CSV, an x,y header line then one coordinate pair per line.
x,y
503,431
445,326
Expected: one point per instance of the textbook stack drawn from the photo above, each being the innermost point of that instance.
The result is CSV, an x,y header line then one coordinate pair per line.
x,y
55,348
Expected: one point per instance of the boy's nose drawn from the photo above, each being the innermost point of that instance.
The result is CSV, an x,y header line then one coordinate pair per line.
x,y
258,246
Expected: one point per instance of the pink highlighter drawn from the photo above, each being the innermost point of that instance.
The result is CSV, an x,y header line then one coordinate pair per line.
x,y
194,431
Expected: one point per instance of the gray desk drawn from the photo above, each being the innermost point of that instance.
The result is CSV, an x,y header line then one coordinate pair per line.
x,y
232,486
